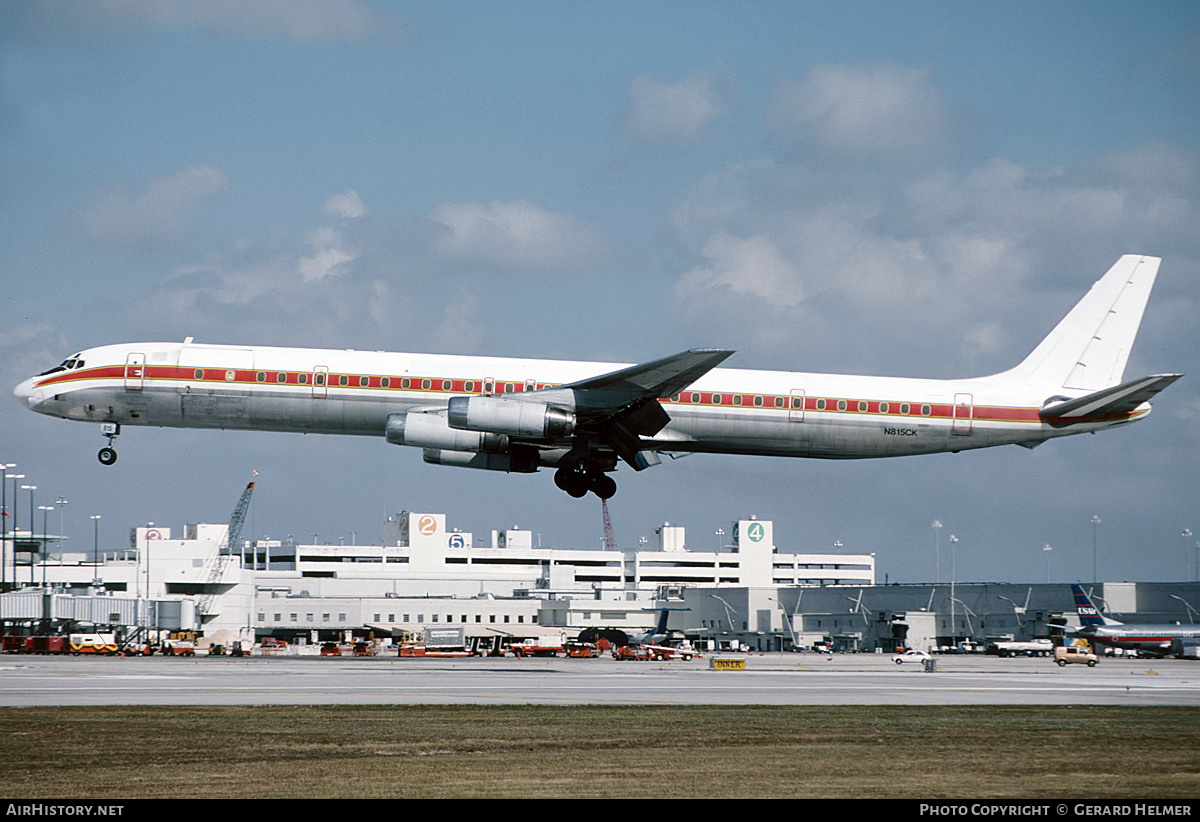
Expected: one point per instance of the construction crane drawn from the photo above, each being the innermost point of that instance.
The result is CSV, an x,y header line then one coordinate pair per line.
x,y
610,542
224,552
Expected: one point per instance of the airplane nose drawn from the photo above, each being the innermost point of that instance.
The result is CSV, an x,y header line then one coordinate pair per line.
x,y
25,394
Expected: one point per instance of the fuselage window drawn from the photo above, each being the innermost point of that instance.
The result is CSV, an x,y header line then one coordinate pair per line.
x,y
302,379
716,399
385,382
841,406
261,376
318,379
862,406
446,385
469,385
821,405
904,408
758,401
508,387
199,373
281,377
364,381
883,407
779,402
343,380
695,396
425,384
405,383
737,399
926,410
230,375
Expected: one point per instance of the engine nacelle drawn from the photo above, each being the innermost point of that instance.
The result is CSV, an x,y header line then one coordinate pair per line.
x,y
431,431
504,415
518,460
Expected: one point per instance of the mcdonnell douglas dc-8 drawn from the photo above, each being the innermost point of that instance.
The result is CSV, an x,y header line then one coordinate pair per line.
x,y
584,418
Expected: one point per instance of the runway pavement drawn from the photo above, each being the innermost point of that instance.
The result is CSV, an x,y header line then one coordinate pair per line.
x,y
768,679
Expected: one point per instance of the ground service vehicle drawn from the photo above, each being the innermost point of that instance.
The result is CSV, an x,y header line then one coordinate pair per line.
x,y
93,644
1067,654
1034,647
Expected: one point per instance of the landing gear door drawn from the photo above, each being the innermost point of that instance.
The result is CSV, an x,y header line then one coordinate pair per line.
x,y
135,372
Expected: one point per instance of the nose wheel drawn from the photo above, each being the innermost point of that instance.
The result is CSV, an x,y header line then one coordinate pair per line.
x,y
108,454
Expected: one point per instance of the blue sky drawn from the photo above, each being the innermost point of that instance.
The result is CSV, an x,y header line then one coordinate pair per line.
x,y
906,189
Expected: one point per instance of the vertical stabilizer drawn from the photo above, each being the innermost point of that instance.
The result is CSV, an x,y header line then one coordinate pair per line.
x,y
1088,349
1088,613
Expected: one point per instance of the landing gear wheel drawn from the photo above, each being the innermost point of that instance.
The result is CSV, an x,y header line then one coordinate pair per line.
x,y
603,485
107,456
573,482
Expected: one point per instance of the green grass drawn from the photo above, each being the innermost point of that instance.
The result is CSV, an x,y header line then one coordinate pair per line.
x,y
590,751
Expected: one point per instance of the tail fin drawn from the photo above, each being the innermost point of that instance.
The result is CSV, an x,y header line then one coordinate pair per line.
x,y
1088,349
1088,613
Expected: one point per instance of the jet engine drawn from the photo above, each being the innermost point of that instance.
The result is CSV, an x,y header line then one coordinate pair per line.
x,y
431,431
503,415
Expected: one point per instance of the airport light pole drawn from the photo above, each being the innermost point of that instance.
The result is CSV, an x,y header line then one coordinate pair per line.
x,y
15,478
1046,549
791,625
32,525
953,579
4,517
1095,520
1191,612
936,525
95,541
1187,565
45,509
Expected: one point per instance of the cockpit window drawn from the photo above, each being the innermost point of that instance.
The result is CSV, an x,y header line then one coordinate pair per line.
x,y
68,364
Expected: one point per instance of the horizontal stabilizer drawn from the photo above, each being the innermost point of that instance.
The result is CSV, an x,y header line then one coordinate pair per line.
x,y
1120,399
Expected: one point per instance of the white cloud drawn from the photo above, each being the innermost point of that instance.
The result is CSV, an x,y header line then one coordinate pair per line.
x,y
863,110
749,267
462,325
160,213
661,109
347,204
516,236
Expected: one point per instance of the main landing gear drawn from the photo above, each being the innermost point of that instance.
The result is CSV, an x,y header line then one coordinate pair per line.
x,y
578,482
108,454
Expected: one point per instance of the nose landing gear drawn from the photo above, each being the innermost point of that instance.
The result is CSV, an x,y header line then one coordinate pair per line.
x,y
108,454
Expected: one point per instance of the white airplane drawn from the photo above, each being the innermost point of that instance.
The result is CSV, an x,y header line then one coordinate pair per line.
x,y
583,418
1152,639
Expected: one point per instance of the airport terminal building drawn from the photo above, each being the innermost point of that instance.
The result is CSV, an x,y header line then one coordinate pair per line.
x,y
423,575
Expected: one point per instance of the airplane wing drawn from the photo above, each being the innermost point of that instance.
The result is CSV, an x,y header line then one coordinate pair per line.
x,y
620,407
656,379
1119,399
